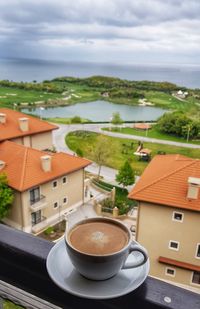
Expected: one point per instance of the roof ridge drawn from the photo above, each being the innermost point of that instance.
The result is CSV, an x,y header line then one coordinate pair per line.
x,y
164,176
24,167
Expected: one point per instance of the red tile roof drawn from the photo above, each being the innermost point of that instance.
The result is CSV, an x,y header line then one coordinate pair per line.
x,y
11,128
165,182
142,126
23,165
180,264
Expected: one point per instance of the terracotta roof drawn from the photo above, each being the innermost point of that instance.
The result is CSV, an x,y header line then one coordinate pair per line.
x,y
142,126
23,165
10,129
165,182
180,264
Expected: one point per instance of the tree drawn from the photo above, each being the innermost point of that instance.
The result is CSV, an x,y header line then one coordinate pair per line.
x,y
6,196
116,119
101,152
125,175
76,119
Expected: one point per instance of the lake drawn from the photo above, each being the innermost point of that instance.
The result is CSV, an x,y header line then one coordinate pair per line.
x,y
99,111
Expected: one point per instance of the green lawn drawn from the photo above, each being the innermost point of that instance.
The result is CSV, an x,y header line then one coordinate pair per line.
x,y
153,133
8,96
64,120
122,149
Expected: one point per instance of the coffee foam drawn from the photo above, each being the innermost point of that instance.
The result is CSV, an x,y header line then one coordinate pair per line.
x,y
98,238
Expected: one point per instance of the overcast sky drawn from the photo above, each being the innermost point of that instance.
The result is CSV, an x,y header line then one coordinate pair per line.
x,y
124,31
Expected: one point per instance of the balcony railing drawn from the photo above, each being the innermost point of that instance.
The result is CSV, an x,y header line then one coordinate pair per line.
x,y
39,225
38,203
24,279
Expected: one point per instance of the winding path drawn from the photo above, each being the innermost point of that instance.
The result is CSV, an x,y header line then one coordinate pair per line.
x,y
107,172
59,136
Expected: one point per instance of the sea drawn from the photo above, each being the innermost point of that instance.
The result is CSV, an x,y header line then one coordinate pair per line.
x,y
28,70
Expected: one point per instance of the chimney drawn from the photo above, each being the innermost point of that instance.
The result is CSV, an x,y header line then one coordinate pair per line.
x,y
2,118
2,164
23,124
193,188
46,163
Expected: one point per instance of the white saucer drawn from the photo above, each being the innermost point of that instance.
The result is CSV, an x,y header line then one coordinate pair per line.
x,y
62,272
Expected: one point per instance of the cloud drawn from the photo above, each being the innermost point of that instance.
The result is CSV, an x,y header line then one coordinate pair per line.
x,y
54,28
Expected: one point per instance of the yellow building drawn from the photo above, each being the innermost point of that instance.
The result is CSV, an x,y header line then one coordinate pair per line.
x,y
168,223
45,185
25,130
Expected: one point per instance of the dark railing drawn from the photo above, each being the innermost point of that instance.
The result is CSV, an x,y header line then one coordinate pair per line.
x,y
38,199
23,268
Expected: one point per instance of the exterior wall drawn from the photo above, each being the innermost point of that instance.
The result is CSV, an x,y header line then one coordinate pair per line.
x,y
73,190
20,215
155,228
39,141
27,141
14,218
42,141
18,140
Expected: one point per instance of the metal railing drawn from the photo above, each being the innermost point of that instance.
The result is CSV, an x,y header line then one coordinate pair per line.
x,y
38,199
25,271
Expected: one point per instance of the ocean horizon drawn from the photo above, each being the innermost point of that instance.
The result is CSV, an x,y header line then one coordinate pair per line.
x,y
28,70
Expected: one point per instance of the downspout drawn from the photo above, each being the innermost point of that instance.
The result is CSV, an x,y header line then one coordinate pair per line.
x,y
22,212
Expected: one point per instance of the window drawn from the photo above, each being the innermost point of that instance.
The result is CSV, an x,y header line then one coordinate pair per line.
x,y
174,245
198,251
177,216
36,217
196,277
55,184
65,200
55,205
34,195
170,271
64,180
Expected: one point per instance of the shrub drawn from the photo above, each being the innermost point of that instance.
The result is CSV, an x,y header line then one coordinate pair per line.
x,y
79,152
49,230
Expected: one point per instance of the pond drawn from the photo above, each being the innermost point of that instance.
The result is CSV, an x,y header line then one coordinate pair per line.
x,y
99,111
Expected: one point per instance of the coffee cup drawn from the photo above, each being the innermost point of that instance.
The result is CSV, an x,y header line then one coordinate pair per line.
x,y
99,247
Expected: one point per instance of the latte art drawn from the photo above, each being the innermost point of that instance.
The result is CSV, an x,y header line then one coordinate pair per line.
x,y
99,236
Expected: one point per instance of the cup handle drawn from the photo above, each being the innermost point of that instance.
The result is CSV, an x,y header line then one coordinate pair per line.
x,y
133,264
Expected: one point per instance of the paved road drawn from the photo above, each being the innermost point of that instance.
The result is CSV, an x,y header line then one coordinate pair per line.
x,y
59,142
59,135
107,172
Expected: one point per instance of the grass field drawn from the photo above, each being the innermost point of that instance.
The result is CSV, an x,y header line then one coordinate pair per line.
x,y
122,149
152,133
8,96
64,120
24,98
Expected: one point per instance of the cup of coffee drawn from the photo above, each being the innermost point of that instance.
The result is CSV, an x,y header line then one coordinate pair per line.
x,y
99,247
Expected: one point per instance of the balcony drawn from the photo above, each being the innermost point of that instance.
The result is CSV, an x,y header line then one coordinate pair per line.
x,y
24,280
38,203
40,225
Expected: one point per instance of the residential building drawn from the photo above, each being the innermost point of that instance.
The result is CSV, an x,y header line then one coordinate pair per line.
x,y
25,130
45,185
168,223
